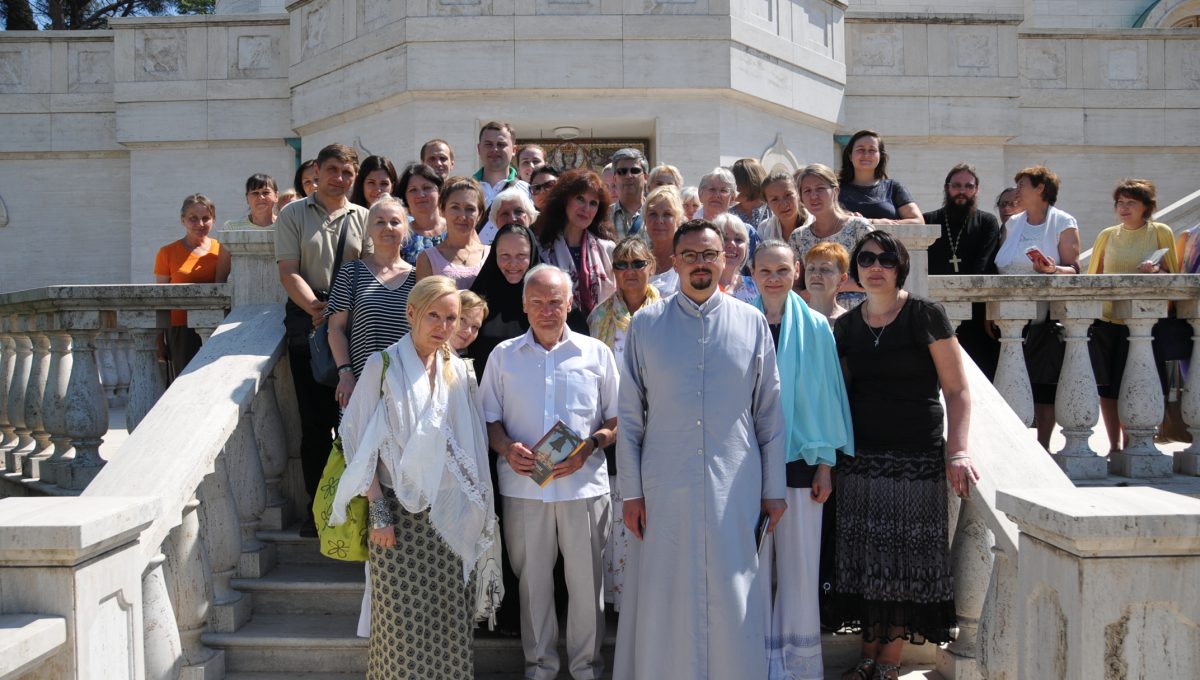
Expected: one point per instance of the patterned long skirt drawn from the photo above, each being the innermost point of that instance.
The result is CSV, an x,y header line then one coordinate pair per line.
x,y
893,577
420,608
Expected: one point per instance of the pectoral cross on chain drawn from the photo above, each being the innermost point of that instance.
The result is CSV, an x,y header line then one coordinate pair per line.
x,y
954,261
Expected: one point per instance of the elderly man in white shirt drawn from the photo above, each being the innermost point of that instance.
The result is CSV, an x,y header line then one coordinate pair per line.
x,y
531,382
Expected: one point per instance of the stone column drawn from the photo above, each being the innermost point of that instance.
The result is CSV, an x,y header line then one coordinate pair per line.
x,y
1108,583
1076,403
54,407
22,362
106,360
1012,376
997,650
35,389
971,555
273,448
123,352
79,558
222,541
1140,403
164,655
146,382
917,239
254,274
1187,462
188,581
8,434
87,413
249,492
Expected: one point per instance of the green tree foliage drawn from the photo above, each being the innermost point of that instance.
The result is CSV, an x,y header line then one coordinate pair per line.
x,y
84,14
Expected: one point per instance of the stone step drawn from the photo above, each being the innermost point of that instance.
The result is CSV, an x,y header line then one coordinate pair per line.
x,y
301,588
906,673
291,548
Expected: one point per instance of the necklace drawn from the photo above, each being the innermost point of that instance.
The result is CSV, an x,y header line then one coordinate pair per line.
x,y
878,336
954,241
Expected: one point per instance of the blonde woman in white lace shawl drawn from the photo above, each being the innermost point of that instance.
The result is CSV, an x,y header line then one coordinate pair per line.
x,y
417,450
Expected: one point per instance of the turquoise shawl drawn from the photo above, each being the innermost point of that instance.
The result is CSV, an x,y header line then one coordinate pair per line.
x,y
815,409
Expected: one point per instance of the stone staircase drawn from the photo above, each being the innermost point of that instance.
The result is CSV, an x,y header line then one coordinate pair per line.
x,y
305,611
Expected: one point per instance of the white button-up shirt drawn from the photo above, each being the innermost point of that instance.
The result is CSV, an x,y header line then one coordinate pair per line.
x,y
528,388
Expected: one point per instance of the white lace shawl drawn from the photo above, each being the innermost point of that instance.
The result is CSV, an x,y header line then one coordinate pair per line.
x,y
432,443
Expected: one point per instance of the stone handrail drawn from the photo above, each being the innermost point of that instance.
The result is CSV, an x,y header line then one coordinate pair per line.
x,y
186,494
1140,300
62,348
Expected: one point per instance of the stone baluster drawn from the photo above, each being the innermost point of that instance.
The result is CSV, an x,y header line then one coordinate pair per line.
x,y
22,361
1140,402
54,407
1012,376
273,448
997,650
106,361
35,390
8,434
122,352
87,412
249,492
1187,462
222,541
188,577
160,636
1076,403
254,274
971,558
146,383
205,321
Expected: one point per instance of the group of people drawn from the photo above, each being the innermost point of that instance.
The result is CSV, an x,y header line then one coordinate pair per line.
x,y
755,395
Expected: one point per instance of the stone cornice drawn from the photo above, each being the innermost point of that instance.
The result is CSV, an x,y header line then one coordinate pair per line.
x,y
200,20
974,19
1190,34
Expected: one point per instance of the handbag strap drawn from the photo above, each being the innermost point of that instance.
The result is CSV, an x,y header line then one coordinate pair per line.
x,y
387,360
341,248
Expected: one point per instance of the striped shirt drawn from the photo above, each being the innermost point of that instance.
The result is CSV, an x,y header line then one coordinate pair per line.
x,y
378,313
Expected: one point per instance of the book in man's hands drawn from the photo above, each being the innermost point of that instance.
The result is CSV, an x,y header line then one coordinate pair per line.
x,y
557,445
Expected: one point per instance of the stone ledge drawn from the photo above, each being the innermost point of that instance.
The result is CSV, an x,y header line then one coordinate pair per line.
x,y
909,17
1051,288
27,640
1107,522
69,531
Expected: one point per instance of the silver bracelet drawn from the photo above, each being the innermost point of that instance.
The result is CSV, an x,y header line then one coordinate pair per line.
x,y
380,515
957,456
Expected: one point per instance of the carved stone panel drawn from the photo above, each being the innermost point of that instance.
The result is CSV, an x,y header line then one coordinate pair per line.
x,y
318,28
974,52
1044,64
254,53
89,68
376,13
1190,66
14,70
160,54
877,49
1126,67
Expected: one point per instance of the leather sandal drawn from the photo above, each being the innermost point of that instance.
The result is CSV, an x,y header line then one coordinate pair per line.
x,y
865,670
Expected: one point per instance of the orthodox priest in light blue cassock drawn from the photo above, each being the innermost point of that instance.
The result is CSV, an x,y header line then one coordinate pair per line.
x,y
701,440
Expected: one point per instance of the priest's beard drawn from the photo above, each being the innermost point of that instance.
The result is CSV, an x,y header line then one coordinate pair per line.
x,y
959,209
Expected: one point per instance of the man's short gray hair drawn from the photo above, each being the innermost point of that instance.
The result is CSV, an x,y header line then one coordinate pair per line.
x,y
512,194
721,175
566,278
629,154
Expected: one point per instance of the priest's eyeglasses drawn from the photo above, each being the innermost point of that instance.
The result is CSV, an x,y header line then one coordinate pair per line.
x,y
692,257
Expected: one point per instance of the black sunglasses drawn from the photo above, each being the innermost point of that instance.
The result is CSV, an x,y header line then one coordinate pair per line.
x,y
867,258
630,264
635,170
544,186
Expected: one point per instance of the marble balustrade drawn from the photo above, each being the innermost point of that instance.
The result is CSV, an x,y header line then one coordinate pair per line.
x,y
68,354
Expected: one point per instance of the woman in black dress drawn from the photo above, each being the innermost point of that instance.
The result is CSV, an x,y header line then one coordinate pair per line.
x,y
893,578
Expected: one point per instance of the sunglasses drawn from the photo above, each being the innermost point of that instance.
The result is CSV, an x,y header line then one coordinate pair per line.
x,y
630,264
544,186
635,170
886,260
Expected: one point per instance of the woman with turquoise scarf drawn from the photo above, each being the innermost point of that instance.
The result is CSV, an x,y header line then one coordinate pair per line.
x,y
817,416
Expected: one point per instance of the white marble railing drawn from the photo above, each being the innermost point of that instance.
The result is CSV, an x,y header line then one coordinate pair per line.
x,y
1076,301
67,353
172,518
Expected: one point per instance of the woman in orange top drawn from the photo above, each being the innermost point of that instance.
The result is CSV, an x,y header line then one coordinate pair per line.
x,y
195,258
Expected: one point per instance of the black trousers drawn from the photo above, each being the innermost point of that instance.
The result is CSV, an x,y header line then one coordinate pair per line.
x,y
318,415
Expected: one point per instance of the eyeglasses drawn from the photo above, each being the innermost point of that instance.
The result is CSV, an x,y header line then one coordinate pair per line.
x,y
723,191
630,264
867,258
691,256
635,170
535,189
1008,204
